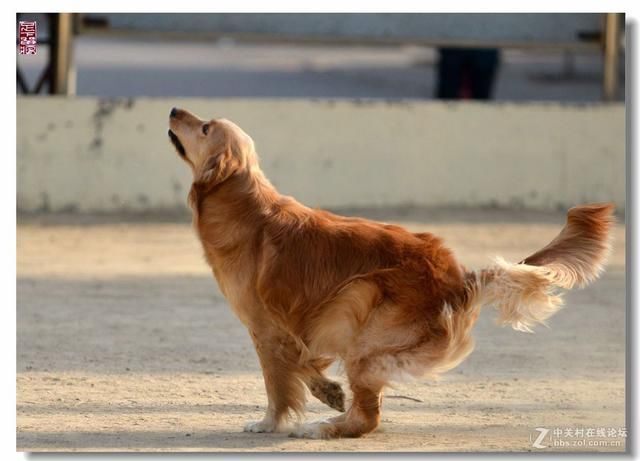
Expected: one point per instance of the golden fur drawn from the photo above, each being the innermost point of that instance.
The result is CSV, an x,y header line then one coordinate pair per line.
x,y
313,287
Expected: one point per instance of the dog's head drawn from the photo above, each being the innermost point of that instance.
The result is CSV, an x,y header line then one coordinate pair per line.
x,y
214,149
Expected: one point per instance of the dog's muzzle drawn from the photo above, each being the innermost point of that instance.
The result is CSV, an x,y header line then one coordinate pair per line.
x,y
176,143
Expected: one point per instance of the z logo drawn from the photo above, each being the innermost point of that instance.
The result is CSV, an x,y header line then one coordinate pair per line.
x,y
543,433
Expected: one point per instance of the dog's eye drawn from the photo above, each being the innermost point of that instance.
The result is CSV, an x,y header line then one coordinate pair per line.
x,y
205,129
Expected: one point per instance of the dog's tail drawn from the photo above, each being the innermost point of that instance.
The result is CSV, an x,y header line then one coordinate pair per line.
x,y
527,293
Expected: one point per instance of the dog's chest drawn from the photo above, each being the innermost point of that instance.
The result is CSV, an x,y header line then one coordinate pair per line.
x,y
235,282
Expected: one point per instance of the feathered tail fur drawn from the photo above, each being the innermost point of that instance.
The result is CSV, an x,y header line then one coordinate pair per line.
x,y
527,293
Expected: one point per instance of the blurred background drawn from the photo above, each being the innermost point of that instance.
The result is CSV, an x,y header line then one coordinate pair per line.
x,y
518,97
481,128
510,57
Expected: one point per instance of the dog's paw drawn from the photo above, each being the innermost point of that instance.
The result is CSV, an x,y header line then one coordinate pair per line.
x,y
314,430
266,425
328,392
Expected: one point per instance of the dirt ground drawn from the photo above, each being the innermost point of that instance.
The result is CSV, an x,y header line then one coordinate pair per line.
x,y
125,343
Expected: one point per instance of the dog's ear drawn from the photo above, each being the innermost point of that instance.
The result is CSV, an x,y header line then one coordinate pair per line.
x,y
216,168
211,168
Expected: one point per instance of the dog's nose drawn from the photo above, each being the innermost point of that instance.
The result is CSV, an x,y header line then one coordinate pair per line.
x,y
173,112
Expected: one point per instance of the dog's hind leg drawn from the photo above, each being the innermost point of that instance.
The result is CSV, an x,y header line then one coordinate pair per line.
x,y
364,414
322,388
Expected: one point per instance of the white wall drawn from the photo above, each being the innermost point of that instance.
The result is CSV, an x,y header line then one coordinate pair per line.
x,y
87,154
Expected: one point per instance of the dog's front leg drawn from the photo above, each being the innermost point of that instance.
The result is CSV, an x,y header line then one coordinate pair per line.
x,y
282,374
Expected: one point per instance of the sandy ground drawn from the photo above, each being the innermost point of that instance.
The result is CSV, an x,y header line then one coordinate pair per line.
x,y
125,343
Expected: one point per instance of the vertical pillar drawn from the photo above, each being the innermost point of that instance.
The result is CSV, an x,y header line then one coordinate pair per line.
x,y
611,55
61,48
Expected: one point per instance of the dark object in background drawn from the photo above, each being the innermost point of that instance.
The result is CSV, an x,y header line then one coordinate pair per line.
x,y
466,73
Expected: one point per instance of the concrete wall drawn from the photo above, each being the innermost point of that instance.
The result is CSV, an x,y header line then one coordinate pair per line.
x,y
87,154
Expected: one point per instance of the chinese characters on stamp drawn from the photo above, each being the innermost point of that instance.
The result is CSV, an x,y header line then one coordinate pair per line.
x,y
28,37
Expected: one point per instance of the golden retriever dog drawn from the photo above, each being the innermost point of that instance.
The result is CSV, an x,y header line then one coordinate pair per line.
x,y
313,287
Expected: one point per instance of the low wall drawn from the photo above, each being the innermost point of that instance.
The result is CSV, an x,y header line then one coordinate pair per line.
x,y
86,154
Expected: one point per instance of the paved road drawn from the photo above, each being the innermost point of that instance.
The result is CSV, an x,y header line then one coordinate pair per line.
x,y
136,67
125,343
